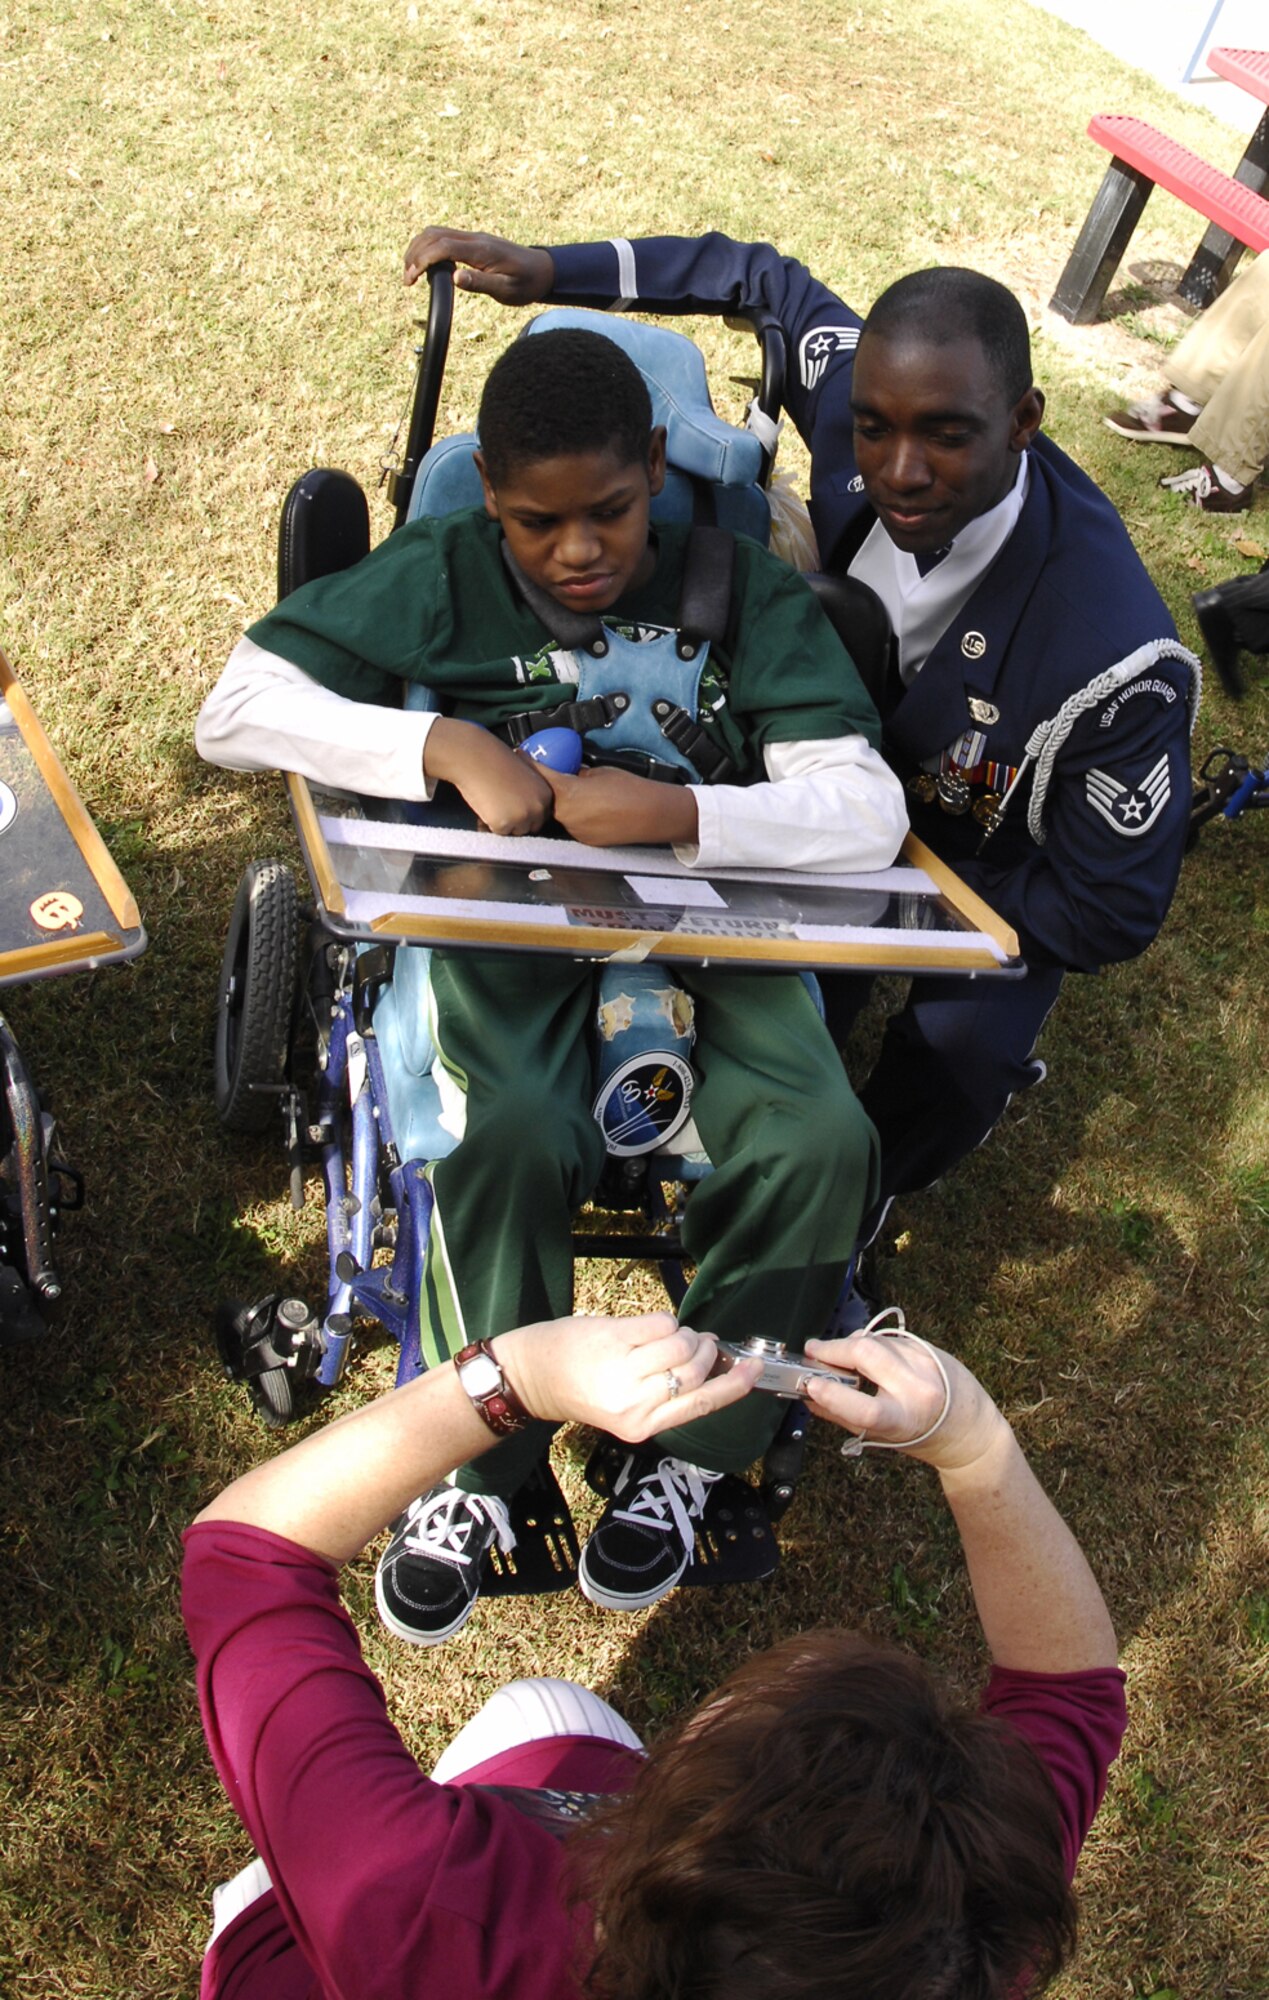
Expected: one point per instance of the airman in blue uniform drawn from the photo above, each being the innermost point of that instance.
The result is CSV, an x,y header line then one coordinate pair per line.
x,y
1040,703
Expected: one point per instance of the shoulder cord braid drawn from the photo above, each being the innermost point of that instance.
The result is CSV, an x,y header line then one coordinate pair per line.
x,y
855,1446
1046,740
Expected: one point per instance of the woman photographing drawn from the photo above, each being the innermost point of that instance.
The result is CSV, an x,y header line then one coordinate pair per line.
x,y
827,1824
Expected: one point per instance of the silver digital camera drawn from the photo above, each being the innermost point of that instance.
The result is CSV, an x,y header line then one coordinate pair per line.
x,y
783,1374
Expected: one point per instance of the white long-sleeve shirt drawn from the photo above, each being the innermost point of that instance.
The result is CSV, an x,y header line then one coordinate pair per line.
x,y
831,805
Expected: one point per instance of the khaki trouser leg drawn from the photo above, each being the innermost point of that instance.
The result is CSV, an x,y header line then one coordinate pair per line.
x,y
1223,363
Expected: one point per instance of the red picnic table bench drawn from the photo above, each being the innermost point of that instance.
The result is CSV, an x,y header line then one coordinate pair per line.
x,y
1142,159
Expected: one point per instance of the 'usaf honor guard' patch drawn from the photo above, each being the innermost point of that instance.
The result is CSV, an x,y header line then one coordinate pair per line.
x,y
1130,809
817,348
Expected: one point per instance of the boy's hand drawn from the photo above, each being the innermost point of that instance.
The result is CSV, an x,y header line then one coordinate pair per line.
x,y
504,271
507,793
606,807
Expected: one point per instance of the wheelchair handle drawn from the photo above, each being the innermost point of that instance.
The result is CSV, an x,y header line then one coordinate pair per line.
x,y
427,385
770,337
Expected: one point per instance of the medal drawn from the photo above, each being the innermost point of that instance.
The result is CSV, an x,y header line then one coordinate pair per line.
x,y
958,766
986,811
953,791
923,786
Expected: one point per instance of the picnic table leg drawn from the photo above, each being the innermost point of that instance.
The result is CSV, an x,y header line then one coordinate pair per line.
x,y
1101,243
1212,265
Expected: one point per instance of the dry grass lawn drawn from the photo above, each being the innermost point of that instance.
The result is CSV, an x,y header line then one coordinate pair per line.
x,y
206,209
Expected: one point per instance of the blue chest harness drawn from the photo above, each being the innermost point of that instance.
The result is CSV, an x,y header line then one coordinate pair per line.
x,y
638,699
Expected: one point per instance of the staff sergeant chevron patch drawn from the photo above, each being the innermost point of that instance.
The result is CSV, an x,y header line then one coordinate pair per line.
x,y
1130,809
817,348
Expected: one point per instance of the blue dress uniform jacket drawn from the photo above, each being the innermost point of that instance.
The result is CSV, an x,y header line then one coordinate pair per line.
x,y
1080,686
1085,859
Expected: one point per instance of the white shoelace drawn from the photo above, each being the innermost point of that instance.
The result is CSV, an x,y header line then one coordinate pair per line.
x,y
1197,482
659,1502
441,1524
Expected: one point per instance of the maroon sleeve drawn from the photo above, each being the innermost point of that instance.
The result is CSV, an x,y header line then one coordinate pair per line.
x,y
393,1887
1075,1723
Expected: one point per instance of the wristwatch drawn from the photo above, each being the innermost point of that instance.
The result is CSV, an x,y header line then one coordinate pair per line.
x,y
480,1373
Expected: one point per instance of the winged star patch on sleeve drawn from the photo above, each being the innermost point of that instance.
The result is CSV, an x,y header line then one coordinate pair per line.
x,y
1130,809
817,348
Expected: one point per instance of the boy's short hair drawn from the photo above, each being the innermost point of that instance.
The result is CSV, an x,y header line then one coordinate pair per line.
x,y
557,394
951,303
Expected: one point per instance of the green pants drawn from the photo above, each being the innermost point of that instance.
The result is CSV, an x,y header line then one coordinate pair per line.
x,y
770,1231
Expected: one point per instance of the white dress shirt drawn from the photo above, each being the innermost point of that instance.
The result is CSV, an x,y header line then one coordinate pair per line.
x,y
922,607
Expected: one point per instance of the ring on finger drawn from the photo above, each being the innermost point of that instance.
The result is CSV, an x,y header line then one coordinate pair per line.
x,y
672,1384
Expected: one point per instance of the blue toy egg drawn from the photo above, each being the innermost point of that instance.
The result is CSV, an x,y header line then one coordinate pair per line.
x,y
560,748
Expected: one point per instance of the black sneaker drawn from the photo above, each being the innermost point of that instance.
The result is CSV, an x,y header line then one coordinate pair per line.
x,y
646,1534
429,1575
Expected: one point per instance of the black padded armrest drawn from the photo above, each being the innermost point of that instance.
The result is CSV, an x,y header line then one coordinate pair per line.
x,y
861,622
325,527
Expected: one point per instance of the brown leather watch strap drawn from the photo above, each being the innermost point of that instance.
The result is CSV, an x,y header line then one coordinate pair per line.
x,y
499,1405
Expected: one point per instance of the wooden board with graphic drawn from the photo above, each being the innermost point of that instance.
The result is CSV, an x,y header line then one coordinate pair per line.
x,y
66,907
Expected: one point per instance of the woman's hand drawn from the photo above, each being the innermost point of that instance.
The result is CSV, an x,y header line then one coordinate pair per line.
x,y
508,272
1038,1600
619,1374
909,1399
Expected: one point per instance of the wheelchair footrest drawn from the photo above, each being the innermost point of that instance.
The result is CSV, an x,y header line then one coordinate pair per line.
x,y
735,1541
546,1553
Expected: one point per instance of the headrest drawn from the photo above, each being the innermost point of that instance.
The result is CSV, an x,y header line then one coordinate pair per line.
x,y
673,367
698,443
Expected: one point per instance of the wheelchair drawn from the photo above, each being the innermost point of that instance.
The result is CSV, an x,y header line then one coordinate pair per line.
x,y
66,908
329,1039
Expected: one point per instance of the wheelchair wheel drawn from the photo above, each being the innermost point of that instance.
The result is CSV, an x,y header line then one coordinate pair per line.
x,y
274,1397
257,998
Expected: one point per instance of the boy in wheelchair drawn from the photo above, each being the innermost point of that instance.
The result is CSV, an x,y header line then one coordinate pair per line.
x,y
556,602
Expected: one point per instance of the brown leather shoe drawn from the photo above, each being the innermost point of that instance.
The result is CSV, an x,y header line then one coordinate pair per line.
x,y
1155,422
1202,488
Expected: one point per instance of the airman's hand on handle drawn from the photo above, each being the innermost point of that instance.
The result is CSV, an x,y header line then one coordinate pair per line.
x,y
508,272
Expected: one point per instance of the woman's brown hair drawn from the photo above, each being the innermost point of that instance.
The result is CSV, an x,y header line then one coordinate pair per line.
x,y
829,1824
